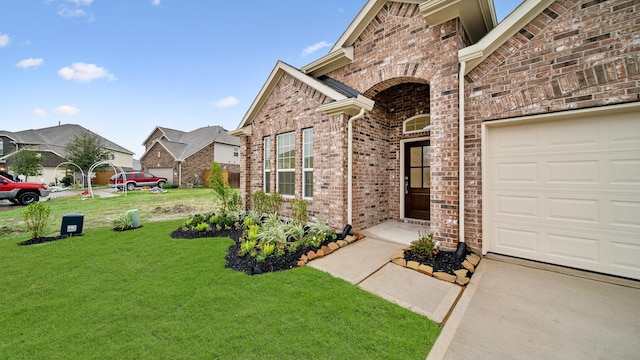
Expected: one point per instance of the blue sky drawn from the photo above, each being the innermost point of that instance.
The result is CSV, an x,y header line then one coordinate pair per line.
x,y
119,68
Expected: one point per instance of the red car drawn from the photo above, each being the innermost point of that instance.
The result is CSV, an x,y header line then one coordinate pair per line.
x,y
23,193
136,179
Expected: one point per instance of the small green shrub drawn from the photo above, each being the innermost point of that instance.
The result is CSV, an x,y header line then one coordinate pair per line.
x,y
264,203
203,226
123,222
299,211
268,249
425,246
36,218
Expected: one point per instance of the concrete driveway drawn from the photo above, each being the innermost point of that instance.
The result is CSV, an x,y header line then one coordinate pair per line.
x,y
529,310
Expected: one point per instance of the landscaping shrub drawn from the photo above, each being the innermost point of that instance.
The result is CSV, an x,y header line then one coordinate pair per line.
x,y
36,218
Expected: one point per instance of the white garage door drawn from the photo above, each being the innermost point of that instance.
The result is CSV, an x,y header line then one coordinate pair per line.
x,y
566,191
163,172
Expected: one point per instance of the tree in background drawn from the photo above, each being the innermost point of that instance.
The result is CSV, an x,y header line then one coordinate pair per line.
x,y
27,163
86,150
227,198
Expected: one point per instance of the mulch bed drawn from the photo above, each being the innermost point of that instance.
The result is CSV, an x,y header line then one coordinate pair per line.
x,y
445,261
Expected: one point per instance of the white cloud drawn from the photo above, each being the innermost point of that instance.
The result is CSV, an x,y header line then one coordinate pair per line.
x,y
315,47
65,110
4,40
30,62
155,2
69,13
226,102
39,113
81,72
81,2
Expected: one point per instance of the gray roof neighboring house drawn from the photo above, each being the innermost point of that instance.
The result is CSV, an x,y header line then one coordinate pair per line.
x,y
181,144
55,139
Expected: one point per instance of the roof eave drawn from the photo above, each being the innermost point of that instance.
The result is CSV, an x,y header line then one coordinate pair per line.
x,y
280,69
519,18
332,61
350,106
478,17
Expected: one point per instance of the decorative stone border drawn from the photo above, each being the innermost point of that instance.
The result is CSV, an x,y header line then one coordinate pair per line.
x,y
329,248
470,263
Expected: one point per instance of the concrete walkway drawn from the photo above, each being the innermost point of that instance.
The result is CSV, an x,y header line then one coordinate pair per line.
x,y
511,309
366,263
526,310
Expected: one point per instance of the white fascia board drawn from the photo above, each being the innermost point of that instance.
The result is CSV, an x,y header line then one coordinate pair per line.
x,y
277,72
245,131
349,106
478,17
519,18
332,61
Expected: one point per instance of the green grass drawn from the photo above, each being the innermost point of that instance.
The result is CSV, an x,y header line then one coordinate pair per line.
x,y
99,212
141,295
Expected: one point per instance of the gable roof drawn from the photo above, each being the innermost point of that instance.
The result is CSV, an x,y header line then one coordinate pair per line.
x,y
475,54
181,144
478,17
327,86
55,138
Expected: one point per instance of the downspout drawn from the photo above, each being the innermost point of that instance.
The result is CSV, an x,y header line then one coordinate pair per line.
x,y
180,173
462,246
350,165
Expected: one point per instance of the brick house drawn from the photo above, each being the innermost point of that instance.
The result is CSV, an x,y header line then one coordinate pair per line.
x,y
520,138
51,143
185,157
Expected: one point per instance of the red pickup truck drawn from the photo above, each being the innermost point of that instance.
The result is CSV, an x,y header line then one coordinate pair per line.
x,y
21,192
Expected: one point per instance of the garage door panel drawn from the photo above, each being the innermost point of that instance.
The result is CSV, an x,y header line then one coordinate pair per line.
x,y
524,242
624,171
569,194
574,210
625,214
624,255
566,134
517,173
517,206
576,248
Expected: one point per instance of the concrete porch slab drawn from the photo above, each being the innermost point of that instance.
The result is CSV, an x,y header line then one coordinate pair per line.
x,y
357,261
410,289
395,231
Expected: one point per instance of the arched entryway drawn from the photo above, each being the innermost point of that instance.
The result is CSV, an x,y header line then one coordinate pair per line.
x,y
404,104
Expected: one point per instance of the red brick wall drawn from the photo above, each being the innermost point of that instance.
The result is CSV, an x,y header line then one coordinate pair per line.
x,y
575,54
399,47
293,106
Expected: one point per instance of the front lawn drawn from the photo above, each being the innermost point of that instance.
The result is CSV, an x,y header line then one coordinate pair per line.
x,y
140,294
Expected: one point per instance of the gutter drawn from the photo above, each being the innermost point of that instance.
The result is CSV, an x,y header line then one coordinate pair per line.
x,y
462,246
358,116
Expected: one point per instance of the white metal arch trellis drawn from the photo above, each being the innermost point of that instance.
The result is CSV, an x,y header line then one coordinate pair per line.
x,y
115,170
68,163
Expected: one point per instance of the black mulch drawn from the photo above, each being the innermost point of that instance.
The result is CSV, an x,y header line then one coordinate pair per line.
x,y
445,261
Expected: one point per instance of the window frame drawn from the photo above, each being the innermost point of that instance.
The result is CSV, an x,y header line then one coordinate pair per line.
x,y
266,164
236,151
413,118
305,155
290,146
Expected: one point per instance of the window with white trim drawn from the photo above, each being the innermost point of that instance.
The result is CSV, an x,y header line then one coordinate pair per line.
x,y
286,164
417,123
236,151
307,163
1,147
267,164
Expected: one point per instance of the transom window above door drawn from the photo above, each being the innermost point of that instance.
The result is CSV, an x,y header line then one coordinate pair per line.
x,y
417,123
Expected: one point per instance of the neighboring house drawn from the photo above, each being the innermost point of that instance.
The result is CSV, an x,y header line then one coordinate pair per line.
x,y
51,143
546,164
184,158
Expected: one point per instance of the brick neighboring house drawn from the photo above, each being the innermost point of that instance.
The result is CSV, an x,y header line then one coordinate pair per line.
x,y
185,157
520,138
51,142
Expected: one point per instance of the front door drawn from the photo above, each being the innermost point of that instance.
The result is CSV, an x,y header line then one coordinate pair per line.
x,y
417,180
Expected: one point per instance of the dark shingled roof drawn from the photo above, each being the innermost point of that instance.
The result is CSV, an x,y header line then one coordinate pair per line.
x,y
339,87
184,144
